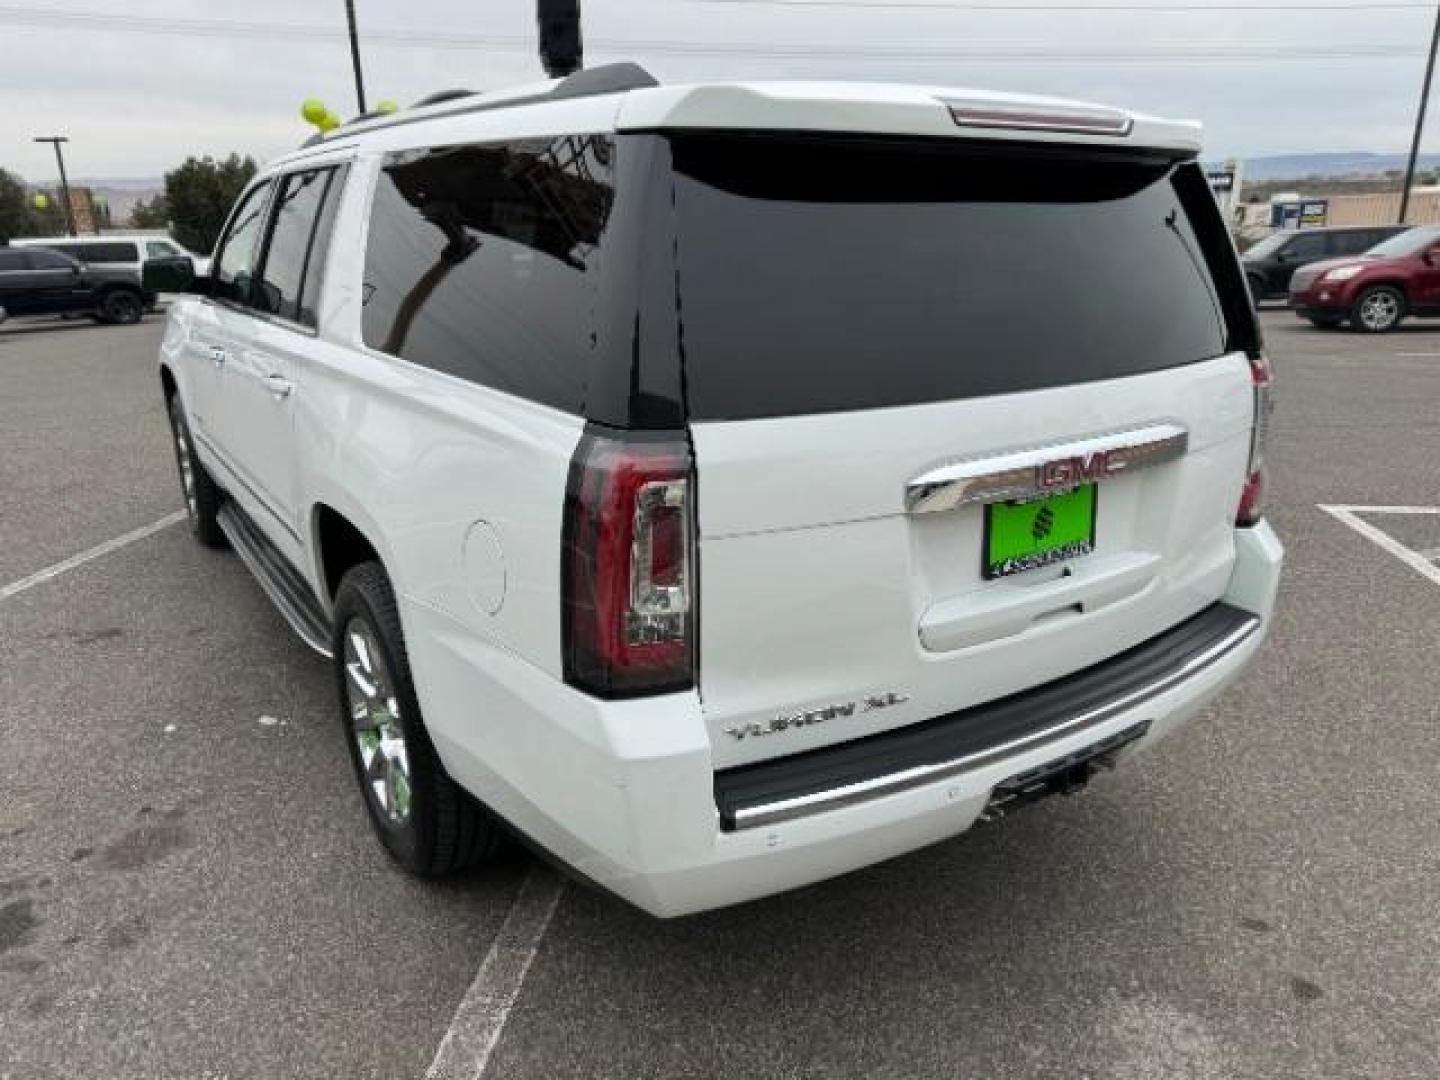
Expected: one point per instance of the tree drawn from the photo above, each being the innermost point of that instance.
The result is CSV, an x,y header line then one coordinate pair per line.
x,y
150,215
15,214
199,195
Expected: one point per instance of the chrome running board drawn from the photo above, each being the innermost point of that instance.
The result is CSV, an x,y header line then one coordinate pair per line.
x,y
278,579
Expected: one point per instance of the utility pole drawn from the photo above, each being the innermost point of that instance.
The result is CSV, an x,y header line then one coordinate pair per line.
x,y
355,56
56,140
1420,120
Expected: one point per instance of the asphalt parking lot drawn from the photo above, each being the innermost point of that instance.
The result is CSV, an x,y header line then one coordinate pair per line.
x,y
188,887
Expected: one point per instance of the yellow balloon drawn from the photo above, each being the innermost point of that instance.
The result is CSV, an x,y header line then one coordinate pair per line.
x,y
386,106
313,110
40,202
329,122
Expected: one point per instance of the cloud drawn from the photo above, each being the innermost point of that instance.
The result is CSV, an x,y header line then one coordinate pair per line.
x,y
137,101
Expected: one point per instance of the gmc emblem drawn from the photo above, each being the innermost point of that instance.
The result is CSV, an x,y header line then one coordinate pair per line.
x,y
1074,471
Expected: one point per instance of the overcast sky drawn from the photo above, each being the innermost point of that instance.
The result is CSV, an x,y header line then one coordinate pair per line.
x,y
141,84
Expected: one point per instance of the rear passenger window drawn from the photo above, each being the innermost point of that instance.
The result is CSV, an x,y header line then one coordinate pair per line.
x,y
105,252
482,262
49,260
235,263
1306,246
290,276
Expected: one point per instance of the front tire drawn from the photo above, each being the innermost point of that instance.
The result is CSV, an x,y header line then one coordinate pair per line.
x,y
1378,309
424,820
202,494
122,307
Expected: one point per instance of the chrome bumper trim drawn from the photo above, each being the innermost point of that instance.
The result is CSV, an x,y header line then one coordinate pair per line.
x,y
893,783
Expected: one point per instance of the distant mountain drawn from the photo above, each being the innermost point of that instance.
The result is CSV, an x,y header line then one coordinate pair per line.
x,y
122,183
1355,163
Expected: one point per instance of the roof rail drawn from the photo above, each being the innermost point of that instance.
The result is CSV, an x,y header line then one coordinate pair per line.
x,y
588,82
438,97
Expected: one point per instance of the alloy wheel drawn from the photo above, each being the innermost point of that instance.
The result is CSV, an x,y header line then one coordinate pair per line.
x,y
1379,311
375,722
186,462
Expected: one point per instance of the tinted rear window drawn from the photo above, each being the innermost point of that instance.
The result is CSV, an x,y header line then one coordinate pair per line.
x,y
825,275
482,262
112,252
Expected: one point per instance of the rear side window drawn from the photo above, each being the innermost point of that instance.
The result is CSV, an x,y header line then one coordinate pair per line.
x,y
299,237
235,264
105,252
1305,246
482,262
49,260
828,274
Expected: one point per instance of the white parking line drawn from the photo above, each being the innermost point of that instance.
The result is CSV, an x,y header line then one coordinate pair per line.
x,y
15,588
481,1017
1416,560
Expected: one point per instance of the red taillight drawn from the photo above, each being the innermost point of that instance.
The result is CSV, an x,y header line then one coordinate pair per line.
x,y
627,573
1252,497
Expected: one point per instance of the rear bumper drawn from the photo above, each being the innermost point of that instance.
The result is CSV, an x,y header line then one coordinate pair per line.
x,y
626,792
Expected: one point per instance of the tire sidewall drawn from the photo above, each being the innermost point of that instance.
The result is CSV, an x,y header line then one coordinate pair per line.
x,y
203,521
122,307
362,594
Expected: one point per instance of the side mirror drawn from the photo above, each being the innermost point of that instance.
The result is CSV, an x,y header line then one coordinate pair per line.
x,y
173,274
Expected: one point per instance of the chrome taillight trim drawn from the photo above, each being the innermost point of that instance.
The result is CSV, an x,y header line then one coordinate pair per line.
x,y
1109,122
1037,471
862,791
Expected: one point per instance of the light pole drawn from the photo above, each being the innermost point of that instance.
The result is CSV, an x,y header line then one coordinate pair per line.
x,y
1419,120
56,140
355,55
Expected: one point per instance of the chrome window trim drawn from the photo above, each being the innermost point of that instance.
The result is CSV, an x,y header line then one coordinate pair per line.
x,y
1022,474
894,783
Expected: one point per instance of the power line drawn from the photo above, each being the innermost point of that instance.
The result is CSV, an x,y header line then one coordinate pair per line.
x,y
909,53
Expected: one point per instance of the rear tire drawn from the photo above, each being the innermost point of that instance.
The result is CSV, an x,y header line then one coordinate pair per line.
x,y
1378,309
122,307
202,495
427,823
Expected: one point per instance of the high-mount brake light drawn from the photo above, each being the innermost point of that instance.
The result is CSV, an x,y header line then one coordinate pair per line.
x,y
1057,118
628,578
1252,496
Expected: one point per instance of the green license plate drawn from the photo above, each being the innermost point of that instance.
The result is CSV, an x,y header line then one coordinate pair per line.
x,y
1025,535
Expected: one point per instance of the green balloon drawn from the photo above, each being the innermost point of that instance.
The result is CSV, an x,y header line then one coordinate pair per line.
x,y
313,110
329,122
41,201
386,106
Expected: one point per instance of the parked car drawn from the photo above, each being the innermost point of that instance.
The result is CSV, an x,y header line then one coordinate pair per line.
x,y
676,476
1376,290
1269,263
118,250
37,281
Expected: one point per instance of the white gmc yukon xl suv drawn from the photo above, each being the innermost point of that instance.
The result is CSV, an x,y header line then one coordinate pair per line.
x,y
724,487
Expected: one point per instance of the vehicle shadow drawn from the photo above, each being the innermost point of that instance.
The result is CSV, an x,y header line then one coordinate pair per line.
x,y
19,328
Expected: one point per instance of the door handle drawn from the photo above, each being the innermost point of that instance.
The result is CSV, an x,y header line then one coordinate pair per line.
x,y
217,355
278,385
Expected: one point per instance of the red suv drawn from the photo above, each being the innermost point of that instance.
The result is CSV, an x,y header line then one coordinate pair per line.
x,y
1374,291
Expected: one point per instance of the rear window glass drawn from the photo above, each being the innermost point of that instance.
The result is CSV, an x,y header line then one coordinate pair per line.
x,y
819,275
482,262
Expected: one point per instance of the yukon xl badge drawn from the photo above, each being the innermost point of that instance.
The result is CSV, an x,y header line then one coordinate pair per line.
x,y
786,721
